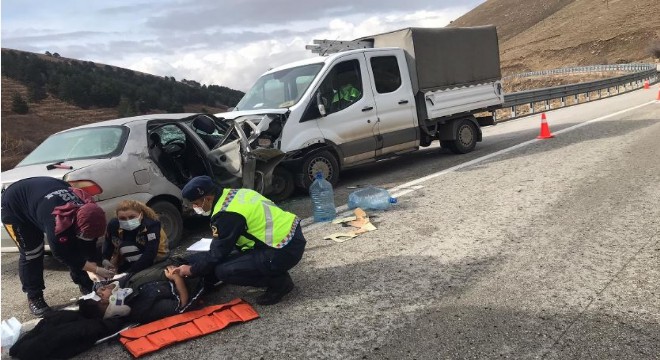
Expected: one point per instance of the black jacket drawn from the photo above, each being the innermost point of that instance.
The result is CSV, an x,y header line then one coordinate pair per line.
x,y
31,201
62,334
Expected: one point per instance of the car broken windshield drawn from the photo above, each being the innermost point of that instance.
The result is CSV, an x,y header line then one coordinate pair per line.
x,y
87,143
280,89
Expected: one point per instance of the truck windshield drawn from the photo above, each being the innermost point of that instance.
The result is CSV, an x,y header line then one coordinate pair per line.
x,y
280,89
87,143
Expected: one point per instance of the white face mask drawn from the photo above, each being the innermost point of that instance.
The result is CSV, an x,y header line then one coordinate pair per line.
x,y
200,210
130,224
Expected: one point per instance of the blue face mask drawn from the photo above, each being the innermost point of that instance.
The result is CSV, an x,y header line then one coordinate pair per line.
x,y
130,224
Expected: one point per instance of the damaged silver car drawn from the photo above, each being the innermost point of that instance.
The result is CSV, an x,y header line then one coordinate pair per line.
x,y
150,158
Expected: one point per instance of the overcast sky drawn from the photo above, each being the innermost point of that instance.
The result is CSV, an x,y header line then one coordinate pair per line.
x,y
220,42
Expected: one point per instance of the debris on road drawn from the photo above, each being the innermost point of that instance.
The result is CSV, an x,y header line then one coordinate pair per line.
x,y
360,221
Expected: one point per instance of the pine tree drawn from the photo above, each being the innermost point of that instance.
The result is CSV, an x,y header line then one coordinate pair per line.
x,y
19,105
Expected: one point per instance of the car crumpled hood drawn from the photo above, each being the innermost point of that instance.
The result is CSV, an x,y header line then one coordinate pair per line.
x,y
11,176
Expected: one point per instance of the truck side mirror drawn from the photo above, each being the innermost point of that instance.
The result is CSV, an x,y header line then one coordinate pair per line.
x,y
320,105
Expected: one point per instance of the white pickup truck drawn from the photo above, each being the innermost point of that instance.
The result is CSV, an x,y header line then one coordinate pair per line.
x,y
374,97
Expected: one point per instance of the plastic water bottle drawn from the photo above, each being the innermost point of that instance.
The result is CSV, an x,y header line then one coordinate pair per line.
x,y
370,198
323,199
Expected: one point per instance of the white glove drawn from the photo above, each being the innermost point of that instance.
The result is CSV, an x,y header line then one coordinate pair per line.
x,y
104,273
108,265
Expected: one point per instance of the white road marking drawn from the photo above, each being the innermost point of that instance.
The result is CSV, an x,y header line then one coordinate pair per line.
x,y
411,186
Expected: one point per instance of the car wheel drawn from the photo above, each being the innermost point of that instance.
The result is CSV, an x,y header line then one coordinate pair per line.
x,y
466,137
323,161
170,220
282,186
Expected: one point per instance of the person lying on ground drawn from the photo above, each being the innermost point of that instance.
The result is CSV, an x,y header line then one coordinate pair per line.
x,y
149,295
144,297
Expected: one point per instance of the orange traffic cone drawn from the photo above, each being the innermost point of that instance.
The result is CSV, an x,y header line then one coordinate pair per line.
x,y
646,85
658,98
545,129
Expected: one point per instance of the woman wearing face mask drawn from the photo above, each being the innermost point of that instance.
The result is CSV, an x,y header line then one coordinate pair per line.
x,y
134,239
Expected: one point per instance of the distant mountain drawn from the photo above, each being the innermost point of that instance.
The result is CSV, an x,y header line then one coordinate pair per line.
x,y
547,34
46,93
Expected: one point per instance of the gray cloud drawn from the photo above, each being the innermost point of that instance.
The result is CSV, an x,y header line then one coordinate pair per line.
x,y
74,35
203,14
132,9
220,39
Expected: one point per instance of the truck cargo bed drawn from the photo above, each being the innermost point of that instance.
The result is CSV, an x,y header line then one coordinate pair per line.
x,y
466,99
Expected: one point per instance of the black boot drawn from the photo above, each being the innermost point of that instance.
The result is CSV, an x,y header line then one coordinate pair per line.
x,y
38,306
276,291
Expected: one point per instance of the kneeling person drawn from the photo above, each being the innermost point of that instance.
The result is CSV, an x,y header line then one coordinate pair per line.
x,y
135,239
269,240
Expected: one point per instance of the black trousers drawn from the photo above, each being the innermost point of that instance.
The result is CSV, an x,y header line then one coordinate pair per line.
x,y
263,266
30,242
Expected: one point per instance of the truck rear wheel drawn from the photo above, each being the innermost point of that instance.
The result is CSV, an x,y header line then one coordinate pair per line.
x,y
323,161
466,137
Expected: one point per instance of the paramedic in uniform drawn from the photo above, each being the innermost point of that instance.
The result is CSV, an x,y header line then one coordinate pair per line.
x,y
268,240
71,222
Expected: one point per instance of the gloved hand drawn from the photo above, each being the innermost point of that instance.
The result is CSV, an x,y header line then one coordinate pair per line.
x,y
104,273
108,265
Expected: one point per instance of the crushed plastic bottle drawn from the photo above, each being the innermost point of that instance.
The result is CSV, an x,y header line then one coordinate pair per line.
x,y
323,199
370,198
11,331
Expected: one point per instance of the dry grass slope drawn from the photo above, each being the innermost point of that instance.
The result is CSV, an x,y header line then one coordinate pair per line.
x,y
536,35
21,133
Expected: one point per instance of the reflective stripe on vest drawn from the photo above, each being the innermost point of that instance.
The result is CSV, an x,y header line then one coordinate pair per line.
x,y
265,221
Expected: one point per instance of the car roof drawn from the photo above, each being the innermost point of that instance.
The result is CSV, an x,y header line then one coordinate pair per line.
x,y
132,119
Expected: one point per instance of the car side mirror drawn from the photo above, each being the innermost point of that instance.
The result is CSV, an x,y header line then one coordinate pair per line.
x,y
320,104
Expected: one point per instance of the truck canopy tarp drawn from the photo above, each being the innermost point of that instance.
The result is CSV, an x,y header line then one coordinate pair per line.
x,y
440,58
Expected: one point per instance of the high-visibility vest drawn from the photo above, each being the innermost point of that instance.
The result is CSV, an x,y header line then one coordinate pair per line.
x,y
265,221
346,92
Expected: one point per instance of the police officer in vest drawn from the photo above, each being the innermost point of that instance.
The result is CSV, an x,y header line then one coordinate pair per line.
x,y
268,240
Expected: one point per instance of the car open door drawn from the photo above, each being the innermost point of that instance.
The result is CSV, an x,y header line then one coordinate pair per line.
x,y
235,161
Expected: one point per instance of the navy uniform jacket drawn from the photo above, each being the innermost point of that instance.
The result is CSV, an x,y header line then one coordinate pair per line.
x,y
139,248
30,202
226,227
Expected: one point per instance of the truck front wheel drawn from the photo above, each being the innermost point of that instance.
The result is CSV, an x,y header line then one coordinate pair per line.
x,y
466,137
282,186
323,161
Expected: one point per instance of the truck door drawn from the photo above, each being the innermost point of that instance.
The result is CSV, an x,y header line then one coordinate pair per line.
x,y
350,110
396,125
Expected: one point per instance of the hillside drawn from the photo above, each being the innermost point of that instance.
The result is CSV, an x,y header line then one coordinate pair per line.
x,y
62,93
536,35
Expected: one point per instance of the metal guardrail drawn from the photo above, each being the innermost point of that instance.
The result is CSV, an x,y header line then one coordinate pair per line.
x,y
634,67
642,72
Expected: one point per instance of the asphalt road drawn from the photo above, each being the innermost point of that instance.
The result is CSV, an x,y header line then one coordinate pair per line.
x,y
545,249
